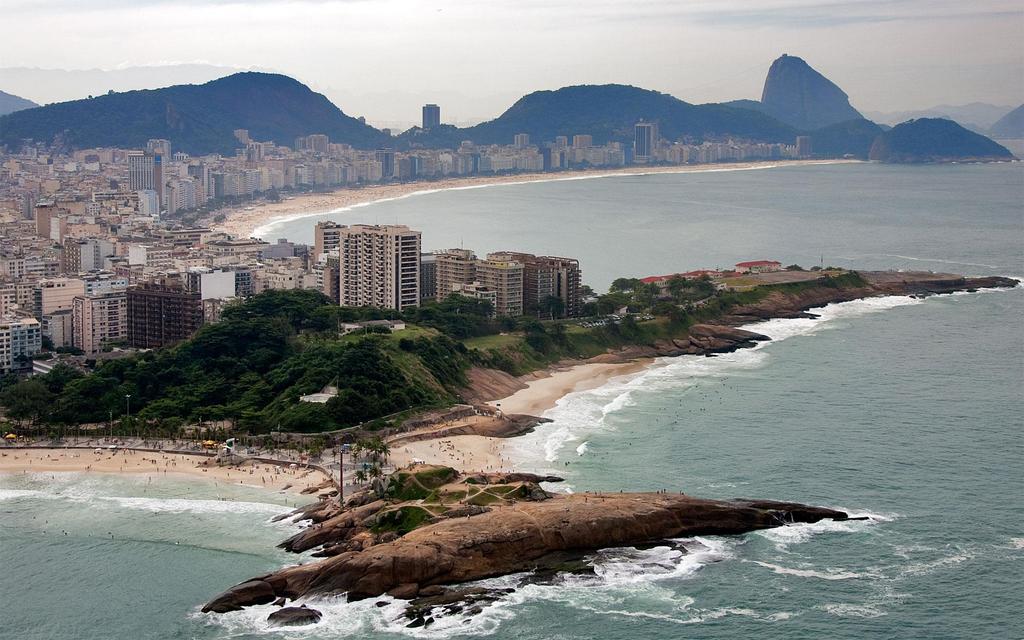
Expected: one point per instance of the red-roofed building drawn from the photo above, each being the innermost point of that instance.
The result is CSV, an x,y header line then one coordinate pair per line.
x,y
758,266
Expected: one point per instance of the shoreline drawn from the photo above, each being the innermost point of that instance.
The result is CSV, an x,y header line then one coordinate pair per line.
x,y
156,465
544,388
479,453
256,222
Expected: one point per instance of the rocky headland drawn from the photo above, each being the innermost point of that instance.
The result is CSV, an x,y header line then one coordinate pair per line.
x,y
430,527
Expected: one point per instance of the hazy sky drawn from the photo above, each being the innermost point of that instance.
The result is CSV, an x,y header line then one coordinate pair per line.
x,y
383,58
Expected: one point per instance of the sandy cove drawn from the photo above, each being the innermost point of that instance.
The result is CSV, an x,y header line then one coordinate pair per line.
x,y
240,222
156,466
471,453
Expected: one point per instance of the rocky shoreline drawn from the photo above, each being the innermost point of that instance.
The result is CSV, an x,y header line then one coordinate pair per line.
x,y
434,528
430,528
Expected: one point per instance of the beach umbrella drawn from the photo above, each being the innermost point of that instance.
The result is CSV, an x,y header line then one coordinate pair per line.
x,y
10,436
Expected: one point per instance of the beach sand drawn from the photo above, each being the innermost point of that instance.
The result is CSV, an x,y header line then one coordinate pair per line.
x,y
544,392
465,453
241,222
469,453
157,466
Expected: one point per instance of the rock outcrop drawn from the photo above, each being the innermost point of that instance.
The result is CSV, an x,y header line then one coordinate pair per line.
x,y
510,535
935,140
803,98
294,617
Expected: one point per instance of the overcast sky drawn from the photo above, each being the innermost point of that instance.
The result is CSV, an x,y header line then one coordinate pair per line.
x,y
383,58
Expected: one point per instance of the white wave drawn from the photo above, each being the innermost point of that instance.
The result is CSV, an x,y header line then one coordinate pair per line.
x,y
582,414
580,450
828,574
791,534
1017,543
15,494
923,568
848,610
183,505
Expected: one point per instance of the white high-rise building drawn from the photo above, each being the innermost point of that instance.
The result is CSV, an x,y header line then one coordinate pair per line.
x,y
379,266
20,338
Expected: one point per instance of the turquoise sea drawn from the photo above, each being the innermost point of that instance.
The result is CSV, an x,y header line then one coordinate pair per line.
x,y
907,411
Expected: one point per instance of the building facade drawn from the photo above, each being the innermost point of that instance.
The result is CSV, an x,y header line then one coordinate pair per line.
x,y
379,266
162,313
99,321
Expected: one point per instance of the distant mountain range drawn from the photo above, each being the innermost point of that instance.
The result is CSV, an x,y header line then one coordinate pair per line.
x,y
198,119
11,103
934,140
1011,125
976,116
607,113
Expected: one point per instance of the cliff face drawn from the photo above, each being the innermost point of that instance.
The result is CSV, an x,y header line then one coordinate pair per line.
x,y
935,140
800,96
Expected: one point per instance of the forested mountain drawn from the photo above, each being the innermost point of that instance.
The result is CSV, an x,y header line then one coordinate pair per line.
x,y
197,119
935,140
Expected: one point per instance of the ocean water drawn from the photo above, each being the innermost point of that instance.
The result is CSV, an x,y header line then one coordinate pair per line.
x,y
903,410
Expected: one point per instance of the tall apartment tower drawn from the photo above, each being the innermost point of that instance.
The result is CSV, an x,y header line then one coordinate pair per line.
x,y
547,277
326,236
140,170
386,158
521,140
645,141
99,320
379,266
431,116
505,279
162,313
428,276
454,268
803,146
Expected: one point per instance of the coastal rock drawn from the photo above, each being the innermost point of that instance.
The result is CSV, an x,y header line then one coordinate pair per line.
x,y
294,617
255,591
514,538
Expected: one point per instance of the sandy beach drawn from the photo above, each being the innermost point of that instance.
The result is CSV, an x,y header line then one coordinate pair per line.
x,y
157,466
470,453
243,221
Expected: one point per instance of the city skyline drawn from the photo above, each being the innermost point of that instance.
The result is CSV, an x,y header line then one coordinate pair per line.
x,y
921,54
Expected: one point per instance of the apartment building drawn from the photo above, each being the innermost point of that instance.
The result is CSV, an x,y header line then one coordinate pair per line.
x,y
20,339
162,313
505,279
454,268
100,320
546,277
379,266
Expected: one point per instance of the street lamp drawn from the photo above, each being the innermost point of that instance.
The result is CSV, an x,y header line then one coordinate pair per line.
x,y
128,408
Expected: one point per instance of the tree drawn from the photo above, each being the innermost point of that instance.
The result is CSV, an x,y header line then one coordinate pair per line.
x,y
552,307
28,400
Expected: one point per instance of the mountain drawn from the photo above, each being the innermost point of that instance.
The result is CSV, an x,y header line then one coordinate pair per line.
x,y
198,119
800,96
11,103
853,137
934,140
976,116
1011,125
60,85
608,113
